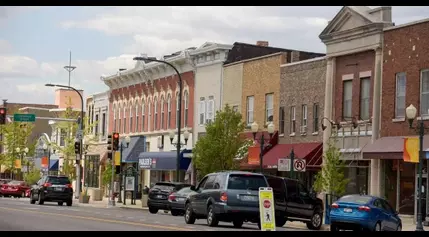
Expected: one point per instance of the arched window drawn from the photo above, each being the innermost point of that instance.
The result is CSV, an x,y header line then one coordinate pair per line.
x,y
125,119
143,114
149,120
131,118
162,112
177,109
155,114
169,111
119,120
137,116
114,118
186,105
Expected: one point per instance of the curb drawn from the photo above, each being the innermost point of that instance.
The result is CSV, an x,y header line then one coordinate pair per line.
x,y
135,208
325,227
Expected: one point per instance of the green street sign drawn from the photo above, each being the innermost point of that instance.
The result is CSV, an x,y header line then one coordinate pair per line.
x,y
24,117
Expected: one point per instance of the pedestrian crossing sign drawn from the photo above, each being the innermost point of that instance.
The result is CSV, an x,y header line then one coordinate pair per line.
x,y
267,209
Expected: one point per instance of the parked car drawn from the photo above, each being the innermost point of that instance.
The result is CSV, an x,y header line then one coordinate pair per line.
x,y
159,193
229,196
293,202
27,193
14,188
4,181
51,188
177,201
363,212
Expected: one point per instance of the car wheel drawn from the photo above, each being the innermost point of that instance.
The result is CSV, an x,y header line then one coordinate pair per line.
x,y
377,227
211,217
189,214
334,228
69,203
153,210
60,203
399,227
280,221
32,201
238,223
316,221
40,200
175,212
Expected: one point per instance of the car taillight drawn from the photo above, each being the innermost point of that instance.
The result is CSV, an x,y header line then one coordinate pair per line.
x,y
47,185
172,197
4,186
334,205
364,208
224,197
69,186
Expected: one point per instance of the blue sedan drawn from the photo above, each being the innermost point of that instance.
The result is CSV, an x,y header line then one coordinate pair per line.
x,y
362,212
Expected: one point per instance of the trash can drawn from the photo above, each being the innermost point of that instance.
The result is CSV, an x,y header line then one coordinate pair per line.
x,y
145,196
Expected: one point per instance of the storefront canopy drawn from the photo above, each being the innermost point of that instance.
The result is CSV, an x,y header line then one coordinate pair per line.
x,y
164,160
131,154
388,148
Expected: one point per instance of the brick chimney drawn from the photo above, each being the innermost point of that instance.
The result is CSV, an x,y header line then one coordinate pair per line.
x,y
262,43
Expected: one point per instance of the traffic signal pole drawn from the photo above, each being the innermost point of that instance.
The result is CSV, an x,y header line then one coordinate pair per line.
x,y
112,147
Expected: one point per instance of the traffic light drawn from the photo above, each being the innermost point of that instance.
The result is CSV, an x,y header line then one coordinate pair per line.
x,y
115,141
77,147
109,147
3,115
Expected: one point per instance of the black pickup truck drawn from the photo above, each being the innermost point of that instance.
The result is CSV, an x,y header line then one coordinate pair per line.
x,y
294,203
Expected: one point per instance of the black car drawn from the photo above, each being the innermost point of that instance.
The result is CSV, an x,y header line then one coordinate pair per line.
x,y
229,196
158,195
177,201
295,203
52,188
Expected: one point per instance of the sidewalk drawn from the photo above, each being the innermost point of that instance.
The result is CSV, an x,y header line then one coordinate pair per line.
x,y
105,201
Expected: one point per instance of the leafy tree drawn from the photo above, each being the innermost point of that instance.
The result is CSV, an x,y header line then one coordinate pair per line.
x,y
107,173
217,149
68,131
32,177
331,178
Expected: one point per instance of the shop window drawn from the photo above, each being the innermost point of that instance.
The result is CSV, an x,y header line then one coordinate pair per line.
x,y
92,164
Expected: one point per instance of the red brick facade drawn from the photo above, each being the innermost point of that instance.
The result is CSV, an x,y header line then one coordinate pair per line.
x,y
406,49
352,64
146,90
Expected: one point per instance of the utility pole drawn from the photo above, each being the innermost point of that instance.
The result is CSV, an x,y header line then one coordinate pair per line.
x,y
69,68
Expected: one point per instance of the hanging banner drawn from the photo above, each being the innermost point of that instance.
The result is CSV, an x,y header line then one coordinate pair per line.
x,y
44,162
18,164
253,155
411,149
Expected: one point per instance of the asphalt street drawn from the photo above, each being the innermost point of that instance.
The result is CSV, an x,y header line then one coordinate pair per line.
x,y
20,215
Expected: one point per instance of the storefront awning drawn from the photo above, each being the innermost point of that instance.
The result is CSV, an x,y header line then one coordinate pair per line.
x,y
131,154
165,160
100,150
53,165
388,148
311,152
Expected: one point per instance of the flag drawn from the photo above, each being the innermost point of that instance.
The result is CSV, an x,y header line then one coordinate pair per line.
x,y
17,164
44,162
117,158
411,149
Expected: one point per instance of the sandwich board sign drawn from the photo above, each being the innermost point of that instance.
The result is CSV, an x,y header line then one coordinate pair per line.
x,y
266,209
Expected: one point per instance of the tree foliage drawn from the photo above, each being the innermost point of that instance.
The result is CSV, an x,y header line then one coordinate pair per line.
x,y
331,178
221,144
107,173
32,177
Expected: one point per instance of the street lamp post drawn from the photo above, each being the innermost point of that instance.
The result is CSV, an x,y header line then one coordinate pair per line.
x,y
178,144
22,153
78,171
179,119
255,128
121,149
411,113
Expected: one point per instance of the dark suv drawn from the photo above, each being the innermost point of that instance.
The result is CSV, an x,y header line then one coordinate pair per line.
x,y
230,196
294,203
52,188
158,195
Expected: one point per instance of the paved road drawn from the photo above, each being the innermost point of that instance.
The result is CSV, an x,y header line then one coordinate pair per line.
x,y
20,215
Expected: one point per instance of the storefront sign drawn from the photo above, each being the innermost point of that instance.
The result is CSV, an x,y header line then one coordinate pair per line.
x,y
147,163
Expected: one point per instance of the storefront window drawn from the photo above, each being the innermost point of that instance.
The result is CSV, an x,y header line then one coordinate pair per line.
x,y
407,188
92,164
358,178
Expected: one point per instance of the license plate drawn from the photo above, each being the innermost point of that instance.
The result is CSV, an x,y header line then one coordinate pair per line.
x,y
159,196
58,189
248,198
180,199
348,210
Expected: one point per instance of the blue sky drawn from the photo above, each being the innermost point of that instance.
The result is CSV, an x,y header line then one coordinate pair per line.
x,y
35,41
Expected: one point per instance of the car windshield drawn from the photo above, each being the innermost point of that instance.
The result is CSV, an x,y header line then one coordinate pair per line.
x,y
15,182
59,180
164,187
184,190
355,199
246,182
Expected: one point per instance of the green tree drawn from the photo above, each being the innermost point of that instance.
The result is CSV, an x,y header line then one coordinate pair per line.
x,y
331,178
107,173
67,132
217,149
32,177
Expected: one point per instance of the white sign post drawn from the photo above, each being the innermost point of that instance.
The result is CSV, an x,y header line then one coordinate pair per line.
x,y
299,165
267,209
283,164
129,183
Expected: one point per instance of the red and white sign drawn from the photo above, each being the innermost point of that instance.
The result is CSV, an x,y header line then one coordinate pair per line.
x,y
267,203
299,165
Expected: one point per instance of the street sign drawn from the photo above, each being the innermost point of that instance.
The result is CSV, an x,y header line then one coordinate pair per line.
x,y
79,134
129,183
283,165
24,117
266,209
299,165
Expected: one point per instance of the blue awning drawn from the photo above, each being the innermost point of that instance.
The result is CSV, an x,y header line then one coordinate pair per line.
x,y
53,165
164,160
131,154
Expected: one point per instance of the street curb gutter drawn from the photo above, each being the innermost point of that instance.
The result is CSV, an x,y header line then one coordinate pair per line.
x,y
135,208
325,227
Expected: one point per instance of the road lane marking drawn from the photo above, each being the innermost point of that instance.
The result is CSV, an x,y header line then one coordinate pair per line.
x,y
99,219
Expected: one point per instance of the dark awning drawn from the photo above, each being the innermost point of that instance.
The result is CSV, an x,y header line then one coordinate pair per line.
x,y
53,165
388,148
164,160
131,154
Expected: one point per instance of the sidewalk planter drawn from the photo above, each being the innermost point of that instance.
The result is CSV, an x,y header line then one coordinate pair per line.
x,y
84,199
144,200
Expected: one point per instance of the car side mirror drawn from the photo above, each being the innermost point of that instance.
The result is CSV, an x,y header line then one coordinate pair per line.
x,y
193,188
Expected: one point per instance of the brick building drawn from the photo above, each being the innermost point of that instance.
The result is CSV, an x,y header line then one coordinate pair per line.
x,y
353,40
143,104
405,81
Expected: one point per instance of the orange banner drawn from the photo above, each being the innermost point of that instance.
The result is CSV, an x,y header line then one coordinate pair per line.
x,y
44,162
253,155
411,149
17,164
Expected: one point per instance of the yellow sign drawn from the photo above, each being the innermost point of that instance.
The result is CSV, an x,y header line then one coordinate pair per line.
x,y
18,164
267,209
117,158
